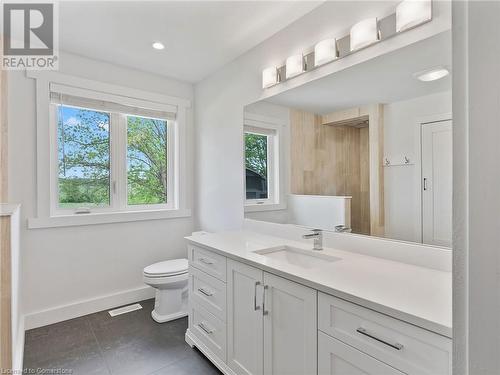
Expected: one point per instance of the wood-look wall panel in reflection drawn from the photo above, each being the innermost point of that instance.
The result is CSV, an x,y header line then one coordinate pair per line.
x,y
330,160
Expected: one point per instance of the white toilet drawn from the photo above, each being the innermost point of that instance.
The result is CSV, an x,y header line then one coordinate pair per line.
x,y
170,279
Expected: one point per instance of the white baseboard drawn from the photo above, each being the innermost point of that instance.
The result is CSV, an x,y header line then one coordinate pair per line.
x,y
89,306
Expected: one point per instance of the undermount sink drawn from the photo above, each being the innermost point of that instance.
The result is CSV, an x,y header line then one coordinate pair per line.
x,y
298,257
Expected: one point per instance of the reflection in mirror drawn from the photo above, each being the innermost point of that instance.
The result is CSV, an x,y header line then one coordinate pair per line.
x,y
366,150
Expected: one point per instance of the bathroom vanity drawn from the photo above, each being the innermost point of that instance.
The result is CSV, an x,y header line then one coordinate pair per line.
x,y
363,153
261,304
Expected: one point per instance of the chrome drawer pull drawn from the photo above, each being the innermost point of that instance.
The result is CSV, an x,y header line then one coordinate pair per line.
x,y
206,261
264,311
207,331
208,294
364,332
255,307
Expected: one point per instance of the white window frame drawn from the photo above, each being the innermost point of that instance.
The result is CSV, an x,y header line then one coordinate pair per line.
x,y
275,131
49,214
118,177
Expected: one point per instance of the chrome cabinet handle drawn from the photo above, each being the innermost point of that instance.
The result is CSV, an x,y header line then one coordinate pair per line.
x,y
204,328
364,332
203,291
264,311
255,307
425,184
206,261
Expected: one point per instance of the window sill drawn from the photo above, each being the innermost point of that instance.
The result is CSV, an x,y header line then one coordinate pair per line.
x,y
265,207
105,218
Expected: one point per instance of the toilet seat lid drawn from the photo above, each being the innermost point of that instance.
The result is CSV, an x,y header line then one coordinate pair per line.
x,y
167,268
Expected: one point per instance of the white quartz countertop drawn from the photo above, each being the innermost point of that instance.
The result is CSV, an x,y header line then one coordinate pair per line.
x,y
417,295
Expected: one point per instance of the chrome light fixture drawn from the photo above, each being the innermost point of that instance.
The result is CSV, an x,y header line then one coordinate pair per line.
x,y
269,77
411,13
325,51
294,66
433,74
364,33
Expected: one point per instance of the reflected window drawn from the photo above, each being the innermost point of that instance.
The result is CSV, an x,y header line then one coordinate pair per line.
x,y
256,166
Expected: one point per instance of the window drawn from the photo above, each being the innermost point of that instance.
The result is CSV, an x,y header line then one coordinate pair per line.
x,y
261,157
83,158
108,153
147,159
112,157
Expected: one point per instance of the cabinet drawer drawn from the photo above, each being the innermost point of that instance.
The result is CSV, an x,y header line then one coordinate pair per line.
x,y
208,292
337,358
209,329
208,261
408,348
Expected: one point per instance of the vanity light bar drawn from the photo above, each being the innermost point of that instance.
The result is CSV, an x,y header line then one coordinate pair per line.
x,y
294,66
269,77
364,34
411,13
408,14
325,51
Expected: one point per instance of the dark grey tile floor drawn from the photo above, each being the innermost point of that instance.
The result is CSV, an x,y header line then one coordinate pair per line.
x,y
98,344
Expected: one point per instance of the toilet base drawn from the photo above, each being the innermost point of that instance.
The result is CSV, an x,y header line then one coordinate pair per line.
x,y
167,318
170,304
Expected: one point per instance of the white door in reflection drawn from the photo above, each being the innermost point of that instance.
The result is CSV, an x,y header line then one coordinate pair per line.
x,y
437,183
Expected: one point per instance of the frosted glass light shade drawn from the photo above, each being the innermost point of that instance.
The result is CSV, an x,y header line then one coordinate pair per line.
x,y
364,33
294,66
325,51
432,74
269,77
411,13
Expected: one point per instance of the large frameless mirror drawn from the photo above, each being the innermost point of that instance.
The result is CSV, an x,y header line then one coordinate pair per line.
x,y
366,150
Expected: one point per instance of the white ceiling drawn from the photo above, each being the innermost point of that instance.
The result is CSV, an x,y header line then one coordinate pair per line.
x,y
200,36
385,79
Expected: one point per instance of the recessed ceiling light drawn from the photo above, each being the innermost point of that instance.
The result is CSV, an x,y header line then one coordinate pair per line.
x,y
158,45
431,74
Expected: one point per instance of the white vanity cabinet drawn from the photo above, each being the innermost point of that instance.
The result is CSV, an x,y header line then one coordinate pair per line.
x,y
408,348
248,321
290,327
337,358
272,323
251,322
245,323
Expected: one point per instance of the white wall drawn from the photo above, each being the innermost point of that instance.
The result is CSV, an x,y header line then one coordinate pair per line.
x,y
220,99
402,183
64,266
476,187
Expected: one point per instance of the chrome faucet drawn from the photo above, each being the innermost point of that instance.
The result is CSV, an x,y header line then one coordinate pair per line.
x,y
342,229
317,235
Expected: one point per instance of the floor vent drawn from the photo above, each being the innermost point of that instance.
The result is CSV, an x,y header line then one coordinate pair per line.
x,y
125,309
